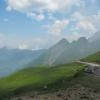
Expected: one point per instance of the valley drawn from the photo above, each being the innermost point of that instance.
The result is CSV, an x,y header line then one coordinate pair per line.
x,y
63,82
62,52
49,49
62,67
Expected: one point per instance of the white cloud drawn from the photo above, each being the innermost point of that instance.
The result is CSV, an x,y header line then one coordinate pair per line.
x,y
58,26
38,17
55,31
96,20
86,25
19,5
73,36
51,17
31,43
41,6
35,9
23,46
76,16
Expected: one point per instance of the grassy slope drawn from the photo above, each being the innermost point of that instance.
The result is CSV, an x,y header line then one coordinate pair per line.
x,y
93,58
34,78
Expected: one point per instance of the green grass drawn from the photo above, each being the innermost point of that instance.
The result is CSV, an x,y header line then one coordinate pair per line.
x,y
36,78
93,58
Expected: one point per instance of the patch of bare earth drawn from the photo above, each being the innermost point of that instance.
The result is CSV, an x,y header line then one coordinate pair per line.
x,y
74,93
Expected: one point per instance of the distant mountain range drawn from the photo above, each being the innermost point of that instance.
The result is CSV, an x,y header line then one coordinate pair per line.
x,y
95,37
60,53
12,60
65,52
95,41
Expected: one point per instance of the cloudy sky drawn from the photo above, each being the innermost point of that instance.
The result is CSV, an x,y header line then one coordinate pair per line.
x,y
34,24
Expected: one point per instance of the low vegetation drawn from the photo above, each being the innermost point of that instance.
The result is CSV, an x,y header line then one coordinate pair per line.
x,y
93,58
38,78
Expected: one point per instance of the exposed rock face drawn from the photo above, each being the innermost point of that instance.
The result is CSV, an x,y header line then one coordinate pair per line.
x,y
93,70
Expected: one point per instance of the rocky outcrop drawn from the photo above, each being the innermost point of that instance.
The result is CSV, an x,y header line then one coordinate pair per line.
x,y
91,68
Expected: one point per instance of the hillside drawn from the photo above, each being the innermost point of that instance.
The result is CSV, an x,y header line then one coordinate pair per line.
x,y
61,82
93,58
12,60
60,53
37,78
64,52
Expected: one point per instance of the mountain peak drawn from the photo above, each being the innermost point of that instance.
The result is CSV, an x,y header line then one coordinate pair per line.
x,y
63,41
95,37
82,39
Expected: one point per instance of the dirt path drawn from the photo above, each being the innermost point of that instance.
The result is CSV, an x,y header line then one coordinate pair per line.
x,y
91,68
90,64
